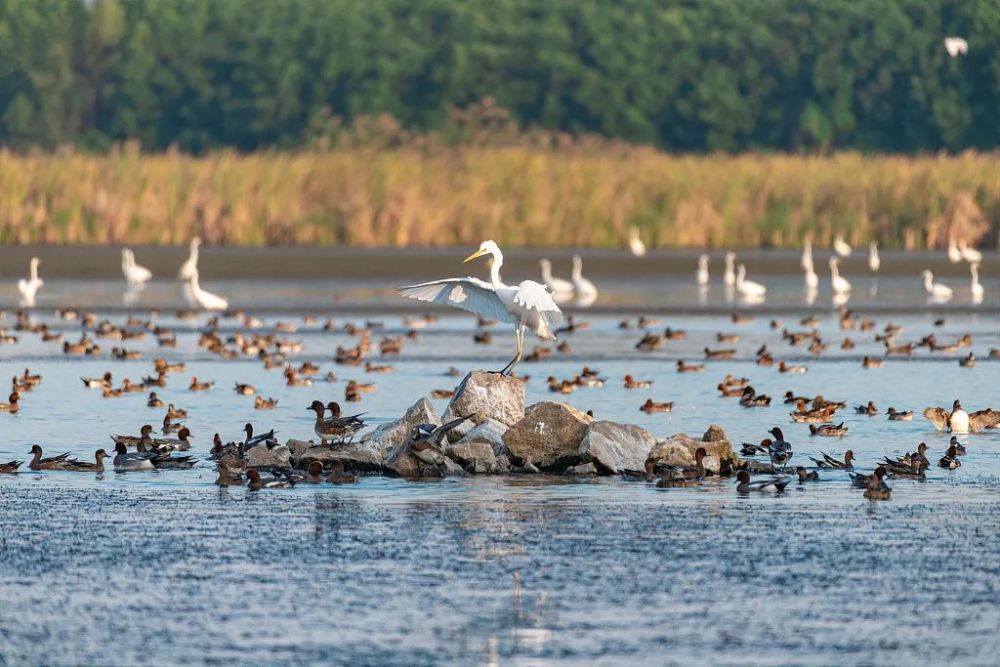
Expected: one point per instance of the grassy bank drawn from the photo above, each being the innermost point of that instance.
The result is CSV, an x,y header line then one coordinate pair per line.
x,y
520,195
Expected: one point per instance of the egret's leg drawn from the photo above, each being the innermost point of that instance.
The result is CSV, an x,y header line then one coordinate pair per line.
x,y
520,349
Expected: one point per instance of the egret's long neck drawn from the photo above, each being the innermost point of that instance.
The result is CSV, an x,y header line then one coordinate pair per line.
x,y
193,257
495,268
577,270
928,281
546,273
975,274
34,271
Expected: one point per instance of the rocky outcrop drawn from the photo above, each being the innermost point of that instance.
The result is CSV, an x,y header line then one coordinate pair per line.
x,y
401,462
485,396
262,455
490,431
679,449
475,457
615,447
548,436
391,435
358,456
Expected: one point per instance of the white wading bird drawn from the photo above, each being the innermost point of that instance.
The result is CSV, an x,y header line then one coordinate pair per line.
x,y
729,277
635,243
936,291
956,46
583,287
954,254
970,255
748,288
702,275
874,261
807,256
838,283
528,305
557,286
205,300
190,267
29,288
135,274
840,246
975,288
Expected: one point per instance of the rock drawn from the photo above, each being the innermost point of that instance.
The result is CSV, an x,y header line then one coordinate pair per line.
x,y
487,396
358,456
679,449
617,447
261,455
474,457
548,436
490,432
391,435
402,463
582,470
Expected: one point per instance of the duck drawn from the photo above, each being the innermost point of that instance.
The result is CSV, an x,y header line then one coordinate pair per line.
x,y
874,262
261,403
838,283
180,443
683,367
748,288
828,430
170,427
154,401
372,368
250,440
960,449
581,286
338,475
960,421
750,449
649,342
701,277
557,286
792,398
85,466
60,462
872,362
29,288
869,409
812,416
899,416
786,368
632,383
135,275
836,464
772,485
877,488
176,413
255,482
750,399
936,291
337,427
228,475
189,269
950,459
840,246
731,381
13,404
145,435
245,389
730,391
10,468
194,385
719,354
729,277
806,475
97,383
968,361
915,471
912,459
779,450
314,473
650,406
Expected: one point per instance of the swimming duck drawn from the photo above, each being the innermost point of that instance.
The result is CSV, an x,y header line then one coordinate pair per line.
x,y
836,464
160,365
85,466
829,430
869,409
337,428
338,475
261,403
719,354
968,362
806,475
180,444
898,416
950,459
912,459
750,399
689,368
632,383
134,441
10,468
773,485
245,389
29,380
314,473
372,368
60,462
960,449
960,421
847,344
255,482
731,381
872,362
482,338
170,427
228,476
814,416
649,342
674,334
915,471
651,406
727,338
199,386
792,398
176,413
877,488
12,405
154,401
675,476
786,368
126,461
730,391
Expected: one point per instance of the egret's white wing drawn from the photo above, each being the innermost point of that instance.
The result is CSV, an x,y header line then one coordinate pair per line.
x,y
471,294
534,296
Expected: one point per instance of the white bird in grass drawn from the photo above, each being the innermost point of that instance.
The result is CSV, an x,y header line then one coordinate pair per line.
x,y
557,286
748,288
840,246
190,267
205,300
954,254
874,261
975,288
838,283
729,277
702,275
135,275
970,255
582,286
29,288
528,305
635,243
956,46
937,291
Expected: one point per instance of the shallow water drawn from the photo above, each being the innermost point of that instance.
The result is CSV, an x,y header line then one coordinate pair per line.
x,y
165,568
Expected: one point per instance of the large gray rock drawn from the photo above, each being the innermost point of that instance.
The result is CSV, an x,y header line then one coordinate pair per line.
x,y
617,447
679,449
358,456
486,396
391,435
474,457
490,431
401,462
548,436
262,455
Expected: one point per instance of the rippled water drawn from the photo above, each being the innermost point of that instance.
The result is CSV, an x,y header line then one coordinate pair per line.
x,y
165,568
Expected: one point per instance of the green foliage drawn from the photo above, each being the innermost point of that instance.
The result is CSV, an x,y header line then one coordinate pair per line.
x,y
811,75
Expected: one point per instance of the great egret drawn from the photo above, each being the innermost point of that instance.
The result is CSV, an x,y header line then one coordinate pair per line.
x,y
729,277
838,283
956,46
874,262
583,287
702,274
190,267
812,280
635,243
29,288
937,291
205,300
954,254
840,246
975,288
528,305
970,255
135,275
748,288
807,256
557,286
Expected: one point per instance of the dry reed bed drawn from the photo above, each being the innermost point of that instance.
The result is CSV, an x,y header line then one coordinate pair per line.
x,y
519,195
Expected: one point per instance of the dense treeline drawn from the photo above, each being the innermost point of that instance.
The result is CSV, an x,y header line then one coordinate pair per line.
x,y
680,74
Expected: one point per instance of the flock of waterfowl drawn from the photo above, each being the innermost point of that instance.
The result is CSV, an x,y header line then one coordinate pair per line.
x,y
528,305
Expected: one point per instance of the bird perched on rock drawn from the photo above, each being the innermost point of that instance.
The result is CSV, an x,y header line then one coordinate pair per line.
x,y
426,440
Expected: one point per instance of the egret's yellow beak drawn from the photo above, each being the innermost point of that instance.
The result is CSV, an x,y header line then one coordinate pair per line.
x,y
478,253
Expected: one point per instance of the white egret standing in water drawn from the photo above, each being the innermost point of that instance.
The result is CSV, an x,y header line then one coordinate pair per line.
x,y
936,291
874,261
729,277
970,255
635,243
560,288
702,275
29,288
975,288
528,305
954,254
838,283
747,288
135,275
840,246
584,288
190,267
205,300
